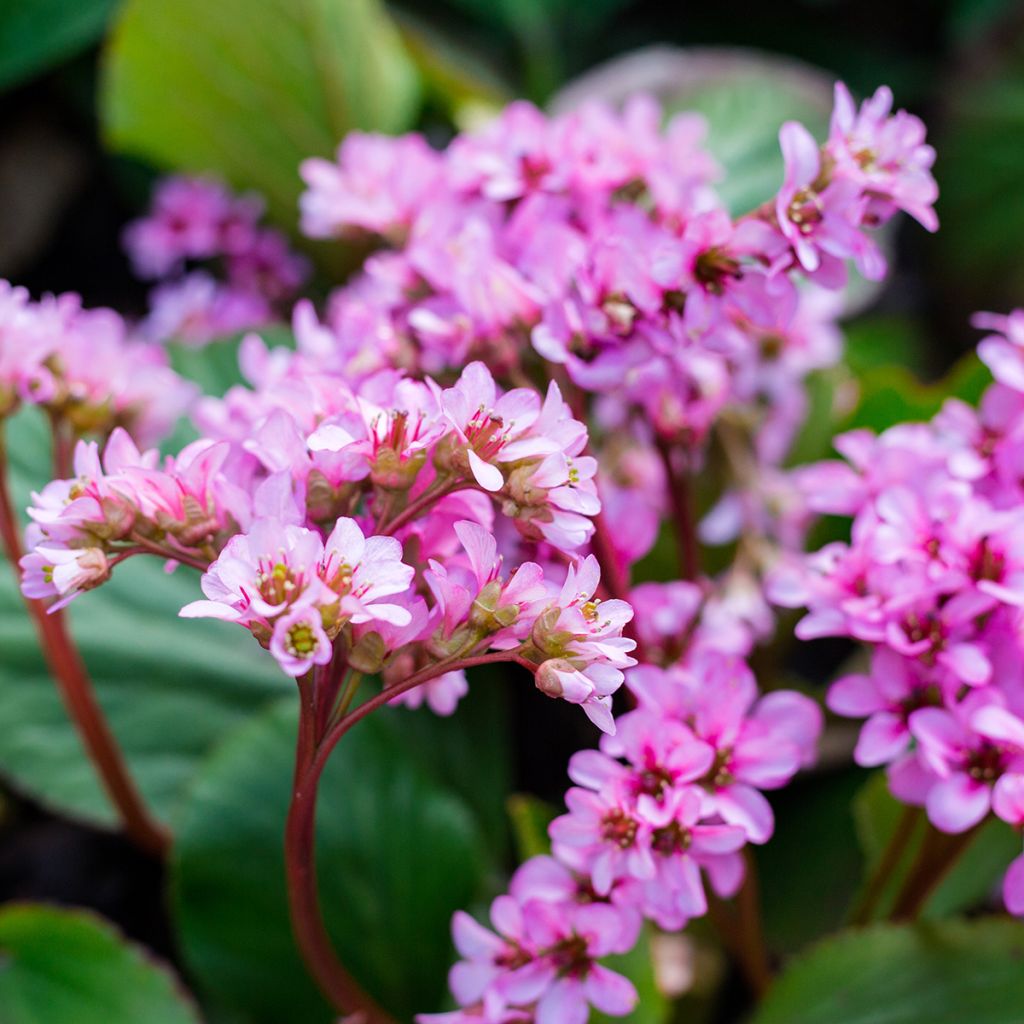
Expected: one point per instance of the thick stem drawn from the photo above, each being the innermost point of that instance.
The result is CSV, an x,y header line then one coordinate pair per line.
x,y
890,860
79,698
312,753
681,502
344,994
753,949
938,853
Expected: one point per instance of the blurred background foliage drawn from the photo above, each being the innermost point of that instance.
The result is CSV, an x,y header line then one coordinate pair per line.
x,y
98,97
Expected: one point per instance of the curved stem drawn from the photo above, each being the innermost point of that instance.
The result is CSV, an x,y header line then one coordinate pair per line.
x,y
753,948
312,753
682,511
344,994
79,698
419,505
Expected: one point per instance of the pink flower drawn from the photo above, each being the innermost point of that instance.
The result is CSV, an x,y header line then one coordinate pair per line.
x,y
967,749
895,688
299,641
821,223
278,578
1008,803
1003,351
682,845
377,184
886,154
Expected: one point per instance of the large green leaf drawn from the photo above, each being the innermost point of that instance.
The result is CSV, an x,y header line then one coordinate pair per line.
x,y
973,879
36,34
397,854
249,88
950,973
58,966
170,687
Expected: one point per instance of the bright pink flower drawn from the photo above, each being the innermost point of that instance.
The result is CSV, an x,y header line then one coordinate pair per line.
x,y
377,184
886,154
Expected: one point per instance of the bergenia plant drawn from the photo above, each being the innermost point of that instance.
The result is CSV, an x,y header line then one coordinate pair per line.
x,y
466,460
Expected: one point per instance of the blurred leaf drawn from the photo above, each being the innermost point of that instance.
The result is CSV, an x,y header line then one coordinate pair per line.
x,y
59,966
458,79
170,687
530,818
972,880
980,168
746,95
214,366
971,19
880,340
822,859
892,394
397,854
36,34
949,973
248,89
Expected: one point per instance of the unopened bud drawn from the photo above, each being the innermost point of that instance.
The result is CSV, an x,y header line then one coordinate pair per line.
x,y
549,676
392,473
367,654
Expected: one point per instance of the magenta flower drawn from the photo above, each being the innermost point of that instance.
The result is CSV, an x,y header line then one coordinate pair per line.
x,y
378,184
886,154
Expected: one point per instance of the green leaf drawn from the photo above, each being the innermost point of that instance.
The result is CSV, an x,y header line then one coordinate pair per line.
x,y
745,95
530,817
397,854
248,89
823,859
981,163
170,687
972,880
37,34
470,752
892,394
214,366
950,973
58,966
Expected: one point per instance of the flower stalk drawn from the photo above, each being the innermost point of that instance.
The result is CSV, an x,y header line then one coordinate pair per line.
x,y
79,697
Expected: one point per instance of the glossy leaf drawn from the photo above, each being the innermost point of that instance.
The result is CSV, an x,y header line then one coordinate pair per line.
x,y
59,966
948,973
37,34
249,88
398,853
170,687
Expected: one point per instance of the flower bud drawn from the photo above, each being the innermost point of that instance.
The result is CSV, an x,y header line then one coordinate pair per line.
x,y
367,654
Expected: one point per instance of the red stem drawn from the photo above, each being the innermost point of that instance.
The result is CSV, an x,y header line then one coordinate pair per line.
x,y
344,994
935,859
682,511
312,753
79,698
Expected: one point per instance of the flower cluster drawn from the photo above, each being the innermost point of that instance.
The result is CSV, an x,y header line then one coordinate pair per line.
x,y
933,581
84,367
284,523
671,797
482,432
194,226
